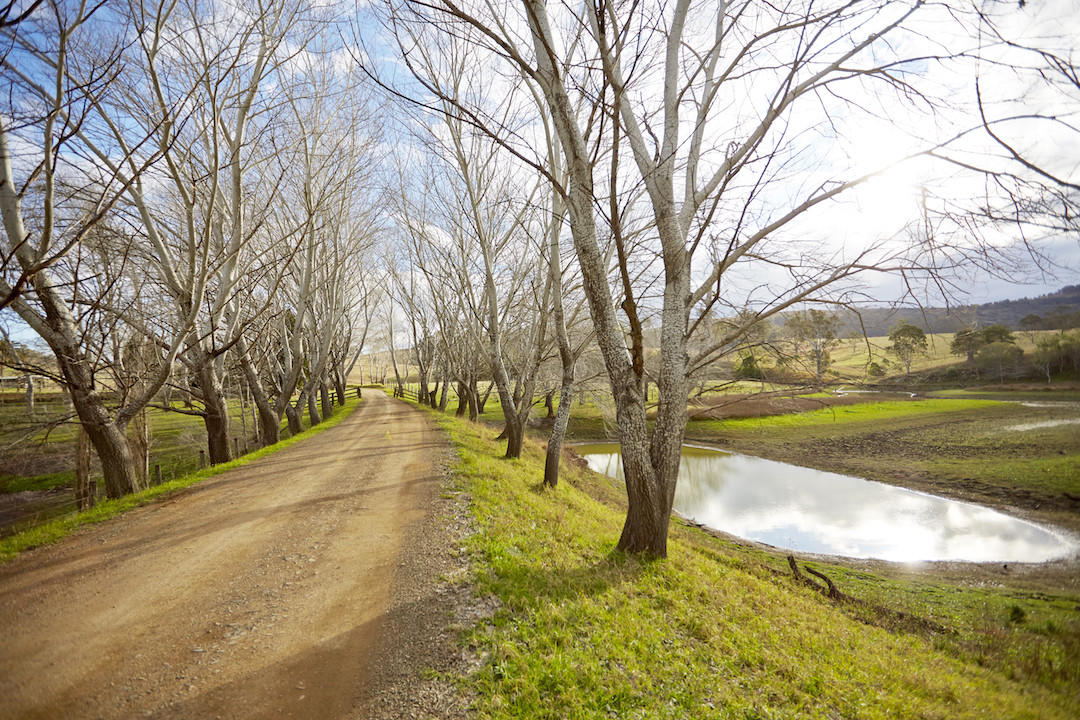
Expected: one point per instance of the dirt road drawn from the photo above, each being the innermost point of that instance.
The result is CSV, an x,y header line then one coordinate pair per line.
x,y
258,593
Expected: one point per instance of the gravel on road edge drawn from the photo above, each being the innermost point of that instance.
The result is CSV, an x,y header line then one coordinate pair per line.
x,y
418,656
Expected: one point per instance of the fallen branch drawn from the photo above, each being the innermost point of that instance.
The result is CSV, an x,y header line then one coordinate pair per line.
x,y
832,592
886,616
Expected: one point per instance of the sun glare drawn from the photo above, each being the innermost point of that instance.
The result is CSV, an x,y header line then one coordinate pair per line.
x,y
887,202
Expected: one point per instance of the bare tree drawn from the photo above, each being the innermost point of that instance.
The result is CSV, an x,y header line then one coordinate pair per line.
x,y
70,198
1030,130
718,114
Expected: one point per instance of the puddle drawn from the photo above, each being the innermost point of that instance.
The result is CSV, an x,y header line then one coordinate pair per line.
x,y
1024,427
821,512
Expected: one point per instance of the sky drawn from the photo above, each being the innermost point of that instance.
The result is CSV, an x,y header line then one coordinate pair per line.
x,y
883,206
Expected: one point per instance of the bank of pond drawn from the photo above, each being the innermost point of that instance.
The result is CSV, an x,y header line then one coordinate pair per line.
x,y
813,511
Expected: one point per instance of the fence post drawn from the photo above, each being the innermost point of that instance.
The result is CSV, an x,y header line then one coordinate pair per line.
x,y
236,447
202,459
359,394
157,474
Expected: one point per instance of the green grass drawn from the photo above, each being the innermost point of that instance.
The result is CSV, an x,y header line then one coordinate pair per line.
x,y
869,412
719,630
1058,473
58,528
12,484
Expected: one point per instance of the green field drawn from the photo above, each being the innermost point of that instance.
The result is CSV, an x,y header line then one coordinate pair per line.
x,y
851,356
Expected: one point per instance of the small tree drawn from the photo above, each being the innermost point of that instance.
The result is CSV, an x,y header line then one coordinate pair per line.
x,y
1048,354
999,357
967,342
908,341
997,333
748,368
813,335
1030,323
970,340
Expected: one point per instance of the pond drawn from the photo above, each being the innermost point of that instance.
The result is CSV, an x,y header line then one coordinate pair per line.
x,y
821,512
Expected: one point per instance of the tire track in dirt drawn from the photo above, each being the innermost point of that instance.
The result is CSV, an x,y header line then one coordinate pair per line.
x,y
257,593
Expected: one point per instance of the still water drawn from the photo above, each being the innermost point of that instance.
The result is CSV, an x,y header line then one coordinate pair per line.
x,y
821,512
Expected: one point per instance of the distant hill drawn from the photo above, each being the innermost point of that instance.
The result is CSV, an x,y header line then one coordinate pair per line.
x,y
1055,309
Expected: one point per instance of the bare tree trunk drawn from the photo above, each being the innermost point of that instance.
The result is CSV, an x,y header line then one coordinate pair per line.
x,y
117,463
269,420
515,436
269,424
109,440
549,403
216,417
463,400
339,387
292,414
85,487
30,395
481,400
139,434
558,430
324,400
243,412
393,359
313,410
444,398
475,408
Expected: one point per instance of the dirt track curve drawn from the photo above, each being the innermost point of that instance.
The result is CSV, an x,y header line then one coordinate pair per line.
x,y
258,593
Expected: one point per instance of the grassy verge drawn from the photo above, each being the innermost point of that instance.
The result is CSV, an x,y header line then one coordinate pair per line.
x,y
60,527
721,630
1052,474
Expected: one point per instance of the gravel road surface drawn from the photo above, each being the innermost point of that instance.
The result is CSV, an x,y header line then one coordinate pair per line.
x,y
302,585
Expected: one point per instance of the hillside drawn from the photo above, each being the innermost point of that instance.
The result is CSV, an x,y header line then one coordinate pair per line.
x,y
878,320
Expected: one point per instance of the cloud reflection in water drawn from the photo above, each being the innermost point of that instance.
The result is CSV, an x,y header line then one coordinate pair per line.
x,y
821,512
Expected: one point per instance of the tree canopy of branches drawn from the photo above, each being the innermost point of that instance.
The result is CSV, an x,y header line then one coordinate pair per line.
x,y
182,187
691,138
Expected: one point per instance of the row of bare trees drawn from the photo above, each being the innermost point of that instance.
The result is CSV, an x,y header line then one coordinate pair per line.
x,y
186,196
698,156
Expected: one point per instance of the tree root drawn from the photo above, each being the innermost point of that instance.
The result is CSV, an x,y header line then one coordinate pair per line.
x,y
830,590
874,613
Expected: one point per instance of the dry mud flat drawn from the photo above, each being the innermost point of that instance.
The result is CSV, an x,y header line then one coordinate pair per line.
x,y
266,591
